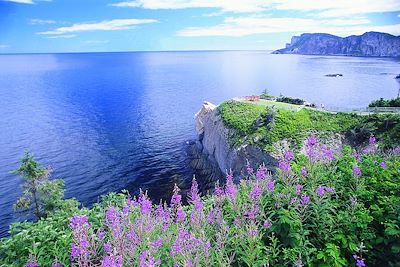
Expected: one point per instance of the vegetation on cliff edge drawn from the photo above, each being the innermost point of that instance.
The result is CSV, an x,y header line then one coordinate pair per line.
x,y
324,208
265,125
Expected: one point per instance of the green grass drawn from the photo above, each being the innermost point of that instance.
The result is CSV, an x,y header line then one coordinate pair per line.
x,y
269,103
294,123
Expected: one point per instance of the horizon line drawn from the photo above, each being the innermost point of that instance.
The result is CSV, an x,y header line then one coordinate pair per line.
x,y
138,51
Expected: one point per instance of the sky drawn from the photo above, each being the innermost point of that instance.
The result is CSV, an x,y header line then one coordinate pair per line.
x,y
51,26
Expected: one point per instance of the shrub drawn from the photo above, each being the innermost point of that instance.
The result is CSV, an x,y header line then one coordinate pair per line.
x,y
324,208
395,102
290,100
40,195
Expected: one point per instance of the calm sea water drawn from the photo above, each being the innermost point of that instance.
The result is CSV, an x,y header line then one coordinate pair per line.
x,y
108,121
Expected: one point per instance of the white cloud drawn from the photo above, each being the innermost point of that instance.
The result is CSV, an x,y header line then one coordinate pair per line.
x,y
26,1
250,25
324,7
40,21
2,46
20,1
107,25
224,5
65,36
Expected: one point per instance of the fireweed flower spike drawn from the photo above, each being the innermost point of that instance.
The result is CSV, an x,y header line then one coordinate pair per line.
x,y
311,143
32,262
230,188
255,193
289,156
356,171
261,173
303,172
359,261
383,165
372,140
249,169
284,166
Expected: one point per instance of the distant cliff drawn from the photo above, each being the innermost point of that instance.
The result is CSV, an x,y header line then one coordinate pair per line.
x,y
374,44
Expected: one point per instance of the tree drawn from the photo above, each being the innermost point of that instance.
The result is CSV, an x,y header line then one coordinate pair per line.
x,y
40,196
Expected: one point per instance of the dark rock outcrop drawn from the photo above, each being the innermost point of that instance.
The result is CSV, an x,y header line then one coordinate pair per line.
x,y
374,44
214,141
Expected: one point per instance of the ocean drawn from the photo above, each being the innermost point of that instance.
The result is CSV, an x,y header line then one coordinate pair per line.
x,y
110,121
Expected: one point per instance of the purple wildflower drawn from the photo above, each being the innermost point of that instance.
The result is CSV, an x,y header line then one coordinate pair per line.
x,y
78,221
112,261
101,234
157,243
252,233
252,213
107,248
299,187
359,261
32,262
176,199
322,190
328,153
112,215
372,140
304,200
383,165
271,185
194,191
211,217
261,173
267,224
356,171
358,156
125,210
146,260
230,188
249,169
180,215
218,191
255,193
145,204
284,166
131,235
303,172
289,156
75,251
56,263
311,141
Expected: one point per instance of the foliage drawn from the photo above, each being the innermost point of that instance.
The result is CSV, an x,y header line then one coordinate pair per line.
x,y
324,208
295,126
40,195
395,102
290,100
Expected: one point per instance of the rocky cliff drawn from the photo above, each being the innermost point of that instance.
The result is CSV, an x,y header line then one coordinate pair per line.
x,y
214,143
374,44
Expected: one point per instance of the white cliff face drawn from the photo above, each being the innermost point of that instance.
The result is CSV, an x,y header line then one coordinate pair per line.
x,y
214,137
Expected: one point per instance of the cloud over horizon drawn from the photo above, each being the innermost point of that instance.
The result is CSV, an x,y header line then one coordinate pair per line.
x,y
106,25
326,8
244,26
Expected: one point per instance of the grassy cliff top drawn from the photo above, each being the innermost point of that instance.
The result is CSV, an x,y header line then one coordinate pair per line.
x,y
265,122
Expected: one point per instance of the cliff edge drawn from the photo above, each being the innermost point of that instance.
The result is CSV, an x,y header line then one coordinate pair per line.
x,y
214,139
374,44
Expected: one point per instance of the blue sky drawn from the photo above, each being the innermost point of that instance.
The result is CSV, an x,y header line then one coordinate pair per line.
x,y
37,26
